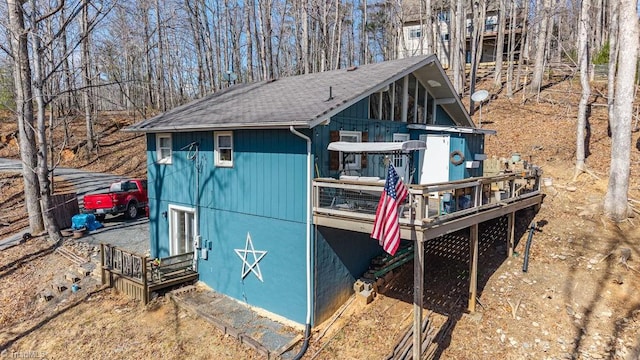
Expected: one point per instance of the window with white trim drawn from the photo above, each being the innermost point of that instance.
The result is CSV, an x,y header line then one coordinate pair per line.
x,y
163,148
223,152
352,161
415,33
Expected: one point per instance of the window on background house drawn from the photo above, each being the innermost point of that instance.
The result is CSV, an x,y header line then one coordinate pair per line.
x,y
223,148
415,33
444,16
163,148
351,161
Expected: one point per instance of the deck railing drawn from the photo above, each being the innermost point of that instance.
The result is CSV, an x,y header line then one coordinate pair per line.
x,y
425,203
138,276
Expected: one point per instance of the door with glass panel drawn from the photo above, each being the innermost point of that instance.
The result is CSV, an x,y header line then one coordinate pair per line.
x,y
181,229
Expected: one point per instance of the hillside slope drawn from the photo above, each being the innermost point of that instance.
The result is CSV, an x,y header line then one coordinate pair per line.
x,y
577,300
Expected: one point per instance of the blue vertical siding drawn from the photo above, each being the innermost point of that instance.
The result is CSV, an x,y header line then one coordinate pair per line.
x,y
469,145
357,110
457,172
442,118
377,130
341,258
263,194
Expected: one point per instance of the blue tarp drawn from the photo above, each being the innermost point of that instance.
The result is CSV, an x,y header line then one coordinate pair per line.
x,y
87,221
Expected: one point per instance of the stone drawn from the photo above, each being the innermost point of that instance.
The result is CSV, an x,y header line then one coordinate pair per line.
x,y
59,286
365,297
71,277
358,286
606,313
86,269
46,295
368,286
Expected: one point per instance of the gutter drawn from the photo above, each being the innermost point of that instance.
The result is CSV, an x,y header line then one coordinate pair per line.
x,y
307,330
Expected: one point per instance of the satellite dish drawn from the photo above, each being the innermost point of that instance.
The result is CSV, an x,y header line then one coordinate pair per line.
x,y
480,96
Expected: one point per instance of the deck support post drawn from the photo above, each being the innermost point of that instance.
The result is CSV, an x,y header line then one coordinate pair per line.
x,y
418,294
511,228
473,266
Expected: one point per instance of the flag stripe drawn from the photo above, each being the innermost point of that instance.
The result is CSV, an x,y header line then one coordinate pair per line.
x,y
386,226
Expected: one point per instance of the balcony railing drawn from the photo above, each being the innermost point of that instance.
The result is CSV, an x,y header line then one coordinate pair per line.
x,y
425,204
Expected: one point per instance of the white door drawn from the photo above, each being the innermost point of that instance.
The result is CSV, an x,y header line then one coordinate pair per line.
x,y
400,162
434,161
182,228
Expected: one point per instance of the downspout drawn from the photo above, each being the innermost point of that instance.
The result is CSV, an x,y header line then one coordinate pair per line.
x,y
307,330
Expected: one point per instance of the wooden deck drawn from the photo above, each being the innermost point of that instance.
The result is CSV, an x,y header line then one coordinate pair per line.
x,y
431,211
139,276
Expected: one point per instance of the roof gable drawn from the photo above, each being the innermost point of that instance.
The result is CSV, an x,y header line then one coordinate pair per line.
x,y
303,100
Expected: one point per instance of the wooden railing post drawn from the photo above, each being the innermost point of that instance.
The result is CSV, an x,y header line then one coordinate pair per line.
x,y
145,290
102,270
420,212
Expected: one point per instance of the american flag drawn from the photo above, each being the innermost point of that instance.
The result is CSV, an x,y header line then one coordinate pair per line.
x,y
386,228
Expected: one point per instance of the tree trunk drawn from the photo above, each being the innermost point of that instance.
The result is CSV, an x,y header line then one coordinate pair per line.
x,y
524,47
428,32
194,21
613,54
541,44
43,169
24,112
249,39
304,43
162,102
497,75
365,34
457,49
477,38
583,51
615,200
512,49
86,75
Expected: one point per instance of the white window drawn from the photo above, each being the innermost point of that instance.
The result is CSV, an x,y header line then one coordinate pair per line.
x,y
400,160
351,161
223,148
415,33
163,148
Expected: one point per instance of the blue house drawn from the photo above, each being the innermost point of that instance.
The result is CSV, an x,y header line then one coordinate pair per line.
x,y
230,176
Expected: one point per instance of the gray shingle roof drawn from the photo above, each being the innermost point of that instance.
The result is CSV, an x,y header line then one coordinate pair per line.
x,y
300,101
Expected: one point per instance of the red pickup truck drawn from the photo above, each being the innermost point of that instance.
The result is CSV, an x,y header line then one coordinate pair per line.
x,y
127,197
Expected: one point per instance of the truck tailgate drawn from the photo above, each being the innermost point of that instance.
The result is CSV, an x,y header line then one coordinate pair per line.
x,y
98,201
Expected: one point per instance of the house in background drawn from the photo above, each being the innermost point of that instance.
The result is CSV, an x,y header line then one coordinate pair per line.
x,y
230,176
414,33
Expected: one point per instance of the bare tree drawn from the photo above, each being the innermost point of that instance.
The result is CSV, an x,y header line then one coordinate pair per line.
x,y
478,20
86,75
613,54
583,52
24,112
41,127
512,49
541,45
457,47
615,200
502,13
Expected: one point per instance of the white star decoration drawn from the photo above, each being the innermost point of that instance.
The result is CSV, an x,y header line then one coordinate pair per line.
x,y
257,256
